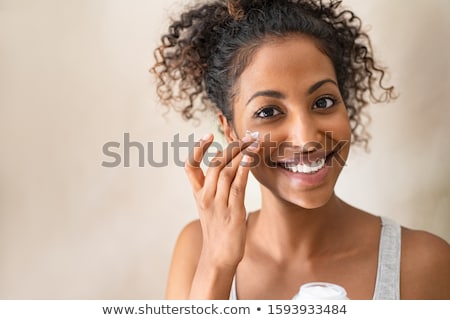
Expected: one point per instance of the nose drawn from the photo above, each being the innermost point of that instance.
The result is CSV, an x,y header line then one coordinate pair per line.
x,y
304,133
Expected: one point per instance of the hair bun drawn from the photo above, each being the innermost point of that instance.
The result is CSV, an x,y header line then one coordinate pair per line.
x,y
235,9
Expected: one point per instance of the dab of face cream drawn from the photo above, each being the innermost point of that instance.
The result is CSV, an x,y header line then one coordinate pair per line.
x,y
253,134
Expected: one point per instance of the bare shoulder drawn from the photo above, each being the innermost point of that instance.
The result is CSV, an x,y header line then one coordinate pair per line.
x,y
191,235
425,266
184,261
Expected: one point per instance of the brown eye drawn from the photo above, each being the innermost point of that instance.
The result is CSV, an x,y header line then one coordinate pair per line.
x,y
324,103
267,112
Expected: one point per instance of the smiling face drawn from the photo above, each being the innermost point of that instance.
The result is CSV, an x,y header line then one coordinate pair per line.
x,y
289,94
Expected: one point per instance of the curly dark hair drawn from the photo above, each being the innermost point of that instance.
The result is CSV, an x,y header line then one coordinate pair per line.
x,y
209,46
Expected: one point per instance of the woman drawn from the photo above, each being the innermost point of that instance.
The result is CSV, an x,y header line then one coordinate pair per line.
x,y
290,80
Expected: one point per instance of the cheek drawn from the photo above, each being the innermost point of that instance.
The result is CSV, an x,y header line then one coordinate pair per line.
x,y
341,135
338,126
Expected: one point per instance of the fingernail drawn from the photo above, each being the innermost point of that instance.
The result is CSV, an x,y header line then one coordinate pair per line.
x,y
206,137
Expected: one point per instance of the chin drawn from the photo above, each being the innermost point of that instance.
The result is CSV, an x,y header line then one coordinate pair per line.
x,y
311,199
306,198
310,202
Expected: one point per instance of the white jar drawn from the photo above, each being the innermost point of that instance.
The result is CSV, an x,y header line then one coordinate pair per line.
x,y
321,290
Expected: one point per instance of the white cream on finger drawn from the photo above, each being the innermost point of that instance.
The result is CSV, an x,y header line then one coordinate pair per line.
x,y
253,134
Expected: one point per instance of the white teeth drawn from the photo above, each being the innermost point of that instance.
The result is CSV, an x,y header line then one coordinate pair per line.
x,y
317,165
308,168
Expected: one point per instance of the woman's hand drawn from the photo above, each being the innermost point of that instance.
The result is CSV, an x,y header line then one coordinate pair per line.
x,y
220,199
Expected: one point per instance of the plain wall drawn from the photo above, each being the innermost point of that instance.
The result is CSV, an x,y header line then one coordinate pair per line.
x,y
74,76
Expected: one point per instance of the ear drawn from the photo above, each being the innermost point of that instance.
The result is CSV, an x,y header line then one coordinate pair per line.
x,y
227,128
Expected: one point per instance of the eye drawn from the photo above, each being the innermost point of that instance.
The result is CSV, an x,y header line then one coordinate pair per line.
x,y
267,112
324,103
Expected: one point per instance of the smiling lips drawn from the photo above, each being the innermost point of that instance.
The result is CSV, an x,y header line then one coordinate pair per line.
x,y
305,167
307,163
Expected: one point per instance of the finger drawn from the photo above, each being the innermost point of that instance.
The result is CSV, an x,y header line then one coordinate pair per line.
x,y
233,178
192,164
233,149
239,184
225,179
223,159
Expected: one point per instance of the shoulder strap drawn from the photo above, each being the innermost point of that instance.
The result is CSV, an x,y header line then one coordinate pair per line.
x,y
387,286
233,293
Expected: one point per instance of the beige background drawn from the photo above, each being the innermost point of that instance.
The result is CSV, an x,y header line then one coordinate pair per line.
x,y
73,76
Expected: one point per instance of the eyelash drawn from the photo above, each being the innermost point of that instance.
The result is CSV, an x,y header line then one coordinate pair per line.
x,y
334,101
275,109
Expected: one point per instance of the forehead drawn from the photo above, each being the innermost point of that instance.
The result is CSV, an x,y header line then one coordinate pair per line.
x,y
282,63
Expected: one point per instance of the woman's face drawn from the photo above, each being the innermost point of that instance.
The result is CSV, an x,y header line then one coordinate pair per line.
x,y
289,94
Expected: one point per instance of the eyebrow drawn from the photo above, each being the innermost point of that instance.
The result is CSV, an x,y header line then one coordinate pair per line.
x,y
317,85
278,95
267,93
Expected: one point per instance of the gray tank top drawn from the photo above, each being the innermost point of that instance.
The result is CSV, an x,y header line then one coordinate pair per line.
x,y
387,285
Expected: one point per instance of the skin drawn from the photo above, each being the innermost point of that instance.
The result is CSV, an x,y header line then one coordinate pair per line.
x,y
303,231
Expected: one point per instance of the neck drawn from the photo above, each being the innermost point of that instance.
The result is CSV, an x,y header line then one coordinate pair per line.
x,y
289,229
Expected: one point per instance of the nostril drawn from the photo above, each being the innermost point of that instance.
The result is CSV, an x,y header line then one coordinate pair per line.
x,y
312,146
